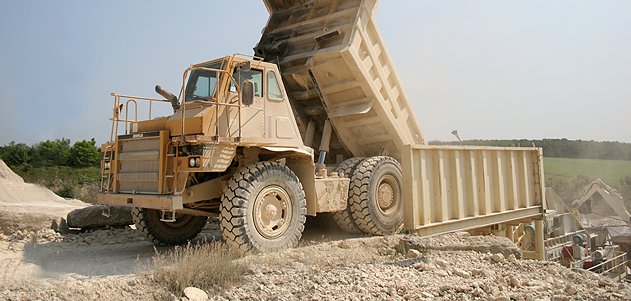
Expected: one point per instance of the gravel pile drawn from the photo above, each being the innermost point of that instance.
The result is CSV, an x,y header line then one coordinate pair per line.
x,y
374,269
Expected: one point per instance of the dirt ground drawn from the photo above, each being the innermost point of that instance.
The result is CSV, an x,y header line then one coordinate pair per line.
x,y
114,264
111,265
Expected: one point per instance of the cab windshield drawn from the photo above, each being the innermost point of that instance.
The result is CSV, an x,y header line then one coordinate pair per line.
x,y
202,84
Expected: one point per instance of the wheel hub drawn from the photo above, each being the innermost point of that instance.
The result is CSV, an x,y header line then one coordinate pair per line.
x,y
272,211
388,195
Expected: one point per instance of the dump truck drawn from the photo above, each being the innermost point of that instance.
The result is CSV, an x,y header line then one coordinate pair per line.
x,y
316,121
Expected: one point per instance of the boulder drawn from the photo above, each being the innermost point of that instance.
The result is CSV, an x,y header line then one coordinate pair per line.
x,y
100,216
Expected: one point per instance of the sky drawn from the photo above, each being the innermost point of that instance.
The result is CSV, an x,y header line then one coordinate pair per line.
x,y
489,69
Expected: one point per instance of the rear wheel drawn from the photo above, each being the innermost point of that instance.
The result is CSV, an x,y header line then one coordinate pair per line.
x,y
263,208
375,201
182,230
343,218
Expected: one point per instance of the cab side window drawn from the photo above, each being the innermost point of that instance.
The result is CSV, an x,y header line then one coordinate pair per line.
x,y
273,88
256,76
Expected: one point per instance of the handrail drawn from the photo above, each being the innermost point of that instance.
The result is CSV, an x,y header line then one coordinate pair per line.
x,y
604,265
258,58
118,105
109,170
127,121
138,97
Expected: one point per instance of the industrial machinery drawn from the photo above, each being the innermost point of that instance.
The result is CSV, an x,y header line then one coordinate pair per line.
x,y
593,234
584,201
601,210
316,121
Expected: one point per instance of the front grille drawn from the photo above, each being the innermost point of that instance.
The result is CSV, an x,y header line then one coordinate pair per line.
x,y
139,166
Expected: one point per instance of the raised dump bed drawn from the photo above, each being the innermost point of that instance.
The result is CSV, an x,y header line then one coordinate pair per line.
x,y
454,185
449,188
335,65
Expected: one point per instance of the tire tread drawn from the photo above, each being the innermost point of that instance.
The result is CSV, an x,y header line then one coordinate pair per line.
x,y
235,202
343,218
358,199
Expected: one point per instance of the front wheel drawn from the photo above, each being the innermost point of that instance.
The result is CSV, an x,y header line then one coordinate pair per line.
x,y
263,208
183,229
376,196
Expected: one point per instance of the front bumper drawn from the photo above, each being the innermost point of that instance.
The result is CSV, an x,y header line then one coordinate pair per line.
x,y
149,201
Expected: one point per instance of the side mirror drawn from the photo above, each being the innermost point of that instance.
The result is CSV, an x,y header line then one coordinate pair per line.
x,y
247,93
246,66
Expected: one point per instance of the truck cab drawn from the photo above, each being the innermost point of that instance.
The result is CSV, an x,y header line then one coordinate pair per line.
x,y
232,121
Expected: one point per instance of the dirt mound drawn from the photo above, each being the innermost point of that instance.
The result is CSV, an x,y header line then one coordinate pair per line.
x,y
28,207
7,174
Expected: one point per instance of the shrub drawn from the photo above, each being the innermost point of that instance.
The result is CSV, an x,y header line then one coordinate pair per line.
x,y
68,190
84,153
209,267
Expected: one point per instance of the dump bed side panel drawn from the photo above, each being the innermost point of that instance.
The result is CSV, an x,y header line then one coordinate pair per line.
x,y
450,188
335,65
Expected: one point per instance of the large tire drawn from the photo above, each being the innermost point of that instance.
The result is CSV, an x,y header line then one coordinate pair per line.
x,y
376,203
343,218
263,208
185,228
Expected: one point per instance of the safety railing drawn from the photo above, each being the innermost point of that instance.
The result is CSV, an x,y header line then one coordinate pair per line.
x,y
555,243
256,58
614,266
118,106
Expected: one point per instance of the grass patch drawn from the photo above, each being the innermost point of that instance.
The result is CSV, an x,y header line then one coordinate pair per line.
x,y
610,171
207,266
47,176
568,176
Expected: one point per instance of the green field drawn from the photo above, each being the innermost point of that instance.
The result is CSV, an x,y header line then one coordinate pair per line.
x,y
609,171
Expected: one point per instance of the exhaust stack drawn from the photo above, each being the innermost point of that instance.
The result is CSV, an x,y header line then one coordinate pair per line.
x,y
169,96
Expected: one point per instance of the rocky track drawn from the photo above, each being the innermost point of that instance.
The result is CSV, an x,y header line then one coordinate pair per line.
x,y
115,264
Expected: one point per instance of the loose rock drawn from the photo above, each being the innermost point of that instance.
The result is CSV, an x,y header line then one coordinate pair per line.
x,y
413,253
195,294
498,257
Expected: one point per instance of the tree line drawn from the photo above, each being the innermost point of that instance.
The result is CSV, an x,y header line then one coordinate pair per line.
x,y
51,153
84,153
560,148
70,170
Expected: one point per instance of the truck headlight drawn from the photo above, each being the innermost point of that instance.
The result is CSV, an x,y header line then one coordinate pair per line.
x,y
191,162
198,162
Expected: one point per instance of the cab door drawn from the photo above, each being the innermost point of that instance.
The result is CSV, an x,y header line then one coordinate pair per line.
x,y
252,116
281,123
